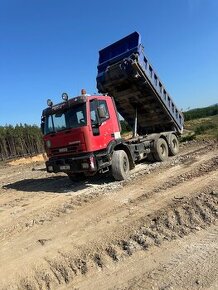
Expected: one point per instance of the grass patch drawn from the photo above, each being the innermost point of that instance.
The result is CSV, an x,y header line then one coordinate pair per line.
x,y
187,137
203,128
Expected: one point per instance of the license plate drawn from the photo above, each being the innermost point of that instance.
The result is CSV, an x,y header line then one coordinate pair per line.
x,y
64,167
62,150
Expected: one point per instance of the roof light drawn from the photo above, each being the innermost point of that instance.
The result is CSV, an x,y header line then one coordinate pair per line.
x,y
49,103
83,92
65,96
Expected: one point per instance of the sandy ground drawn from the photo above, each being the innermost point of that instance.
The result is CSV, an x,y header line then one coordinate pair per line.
x,y
157,230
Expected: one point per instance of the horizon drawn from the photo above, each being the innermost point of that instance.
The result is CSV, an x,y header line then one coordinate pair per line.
x,y
50,48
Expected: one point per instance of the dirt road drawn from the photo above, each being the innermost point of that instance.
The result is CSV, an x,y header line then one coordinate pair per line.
x,y
158,230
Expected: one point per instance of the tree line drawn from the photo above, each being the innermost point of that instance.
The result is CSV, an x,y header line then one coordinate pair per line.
x,y
201,112
26,140
20,140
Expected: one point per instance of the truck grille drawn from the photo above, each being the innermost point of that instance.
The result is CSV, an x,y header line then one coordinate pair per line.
x,y
75,148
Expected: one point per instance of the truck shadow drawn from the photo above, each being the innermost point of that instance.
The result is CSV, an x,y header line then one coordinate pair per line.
x,y
57,184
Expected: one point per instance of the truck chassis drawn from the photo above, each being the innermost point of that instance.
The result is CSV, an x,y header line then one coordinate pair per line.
x,y
120,156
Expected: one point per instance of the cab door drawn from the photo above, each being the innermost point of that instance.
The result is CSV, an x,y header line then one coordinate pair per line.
x,y
102,128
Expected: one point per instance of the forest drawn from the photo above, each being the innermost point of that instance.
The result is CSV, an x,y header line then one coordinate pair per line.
x,y
201,112
20,140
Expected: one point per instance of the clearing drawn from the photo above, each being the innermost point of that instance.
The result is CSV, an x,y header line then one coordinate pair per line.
x,y
157,230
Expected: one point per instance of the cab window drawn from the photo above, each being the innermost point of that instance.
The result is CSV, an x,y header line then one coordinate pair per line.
x,y
103,104
93,112
94,117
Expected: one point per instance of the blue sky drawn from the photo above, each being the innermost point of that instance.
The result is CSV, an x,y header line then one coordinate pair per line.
x,y
51,46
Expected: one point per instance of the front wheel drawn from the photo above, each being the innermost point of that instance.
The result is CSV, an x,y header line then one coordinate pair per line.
x,y
161,151
120,165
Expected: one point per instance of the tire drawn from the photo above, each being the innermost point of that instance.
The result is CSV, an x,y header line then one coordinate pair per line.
x,y
174,145
120,165
161,150
76,177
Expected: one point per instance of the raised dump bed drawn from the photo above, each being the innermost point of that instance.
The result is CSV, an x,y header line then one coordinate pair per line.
x,y
125,73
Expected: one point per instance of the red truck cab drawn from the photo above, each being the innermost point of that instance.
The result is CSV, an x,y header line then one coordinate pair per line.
x,y
79,132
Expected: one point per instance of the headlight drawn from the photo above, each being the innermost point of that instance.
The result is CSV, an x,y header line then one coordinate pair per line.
x,y
50,168
85,165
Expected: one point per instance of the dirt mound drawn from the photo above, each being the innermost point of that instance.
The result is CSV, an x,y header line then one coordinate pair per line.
x,y
28,160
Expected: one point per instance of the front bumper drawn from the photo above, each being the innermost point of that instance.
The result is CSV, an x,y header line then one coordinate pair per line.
x,y
86,163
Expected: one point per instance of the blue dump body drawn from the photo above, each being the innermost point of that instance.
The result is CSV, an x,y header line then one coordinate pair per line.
x,y
125,73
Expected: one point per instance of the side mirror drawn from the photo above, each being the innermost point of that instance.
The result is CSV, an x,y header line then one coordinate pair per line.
x,y
43,125
101,112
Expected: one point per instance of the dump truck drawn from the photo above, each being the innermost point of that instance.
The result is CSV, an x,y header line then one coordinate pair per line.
x,y
82,135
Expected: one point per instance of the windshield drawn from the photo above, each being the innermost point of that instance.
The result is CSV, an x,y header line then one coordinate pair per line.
x,y
73,117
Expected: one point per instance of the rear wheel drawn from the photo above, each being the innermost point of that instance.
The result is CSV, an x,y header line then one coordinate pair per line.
x,y
174,145
161,150
120,165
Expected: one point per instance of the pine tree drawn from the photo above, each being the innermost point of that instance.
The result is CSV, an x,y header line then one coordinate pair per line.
x,y
19,141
